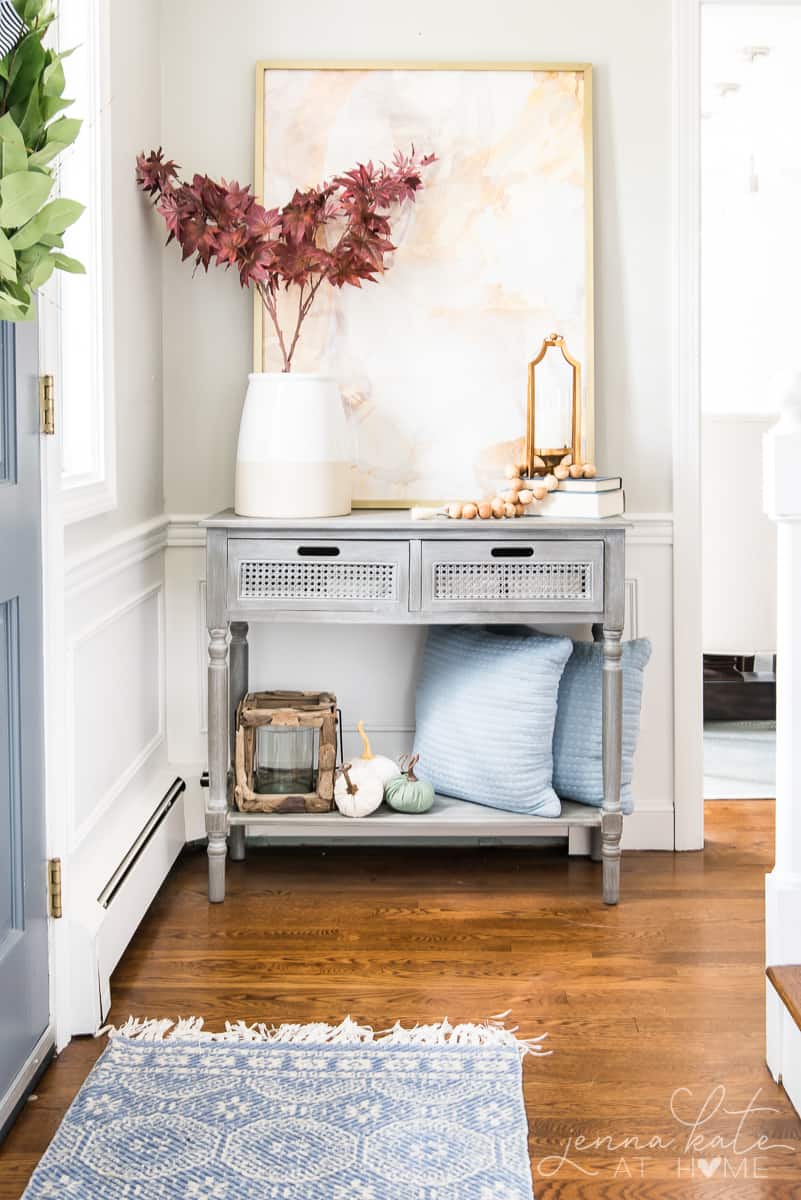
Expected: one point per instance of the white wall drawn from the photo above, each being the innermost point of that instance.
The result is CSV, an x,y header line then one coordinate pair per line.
x,y
208,330
739,541
208,112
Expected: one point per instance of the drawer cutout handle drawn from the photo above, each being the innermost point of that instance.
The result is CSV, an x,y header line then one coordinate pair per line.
x,y
512,551
318,551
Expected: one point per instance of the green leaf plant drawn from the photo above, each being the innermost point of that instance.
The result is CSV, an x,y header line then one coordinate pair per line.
x,y
32,135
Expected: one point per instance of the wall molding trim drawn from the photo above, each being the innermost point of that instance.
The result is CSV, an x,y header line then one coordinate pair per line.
x,y
183,529
124,549
650,529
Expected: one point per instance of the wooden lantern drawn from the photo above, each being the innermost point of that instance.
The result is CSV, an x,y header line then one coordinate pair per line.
x,y
543,426
313,714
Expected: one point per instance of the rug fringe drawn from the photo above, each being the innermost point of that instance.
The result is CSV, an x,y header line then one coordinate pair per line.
x,y
491,1032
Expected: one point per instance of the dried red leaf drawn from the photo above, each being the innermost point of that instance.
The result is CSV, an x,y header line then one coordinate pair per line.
x,y
153,174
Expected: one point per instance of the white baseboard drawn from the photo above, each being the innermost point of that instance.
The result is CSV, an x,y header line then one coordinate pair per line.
x,y
648,829
783,1047
791,1063
774,1030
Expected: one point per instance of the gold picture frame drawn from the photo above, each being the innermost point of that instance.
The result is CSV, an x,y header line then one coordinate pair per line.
x,y
582,258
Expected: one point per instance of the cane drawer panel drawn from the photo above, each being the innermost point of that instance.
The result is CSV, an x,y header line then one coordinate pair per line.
x,y
318,574
513,576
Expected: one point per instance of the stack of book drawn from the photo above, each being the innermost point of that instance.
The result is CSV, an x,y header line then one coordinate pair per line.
x,y
582,499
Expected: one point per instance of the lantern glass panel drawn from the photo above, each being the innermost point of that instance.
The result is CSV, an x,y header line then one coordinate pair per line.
x,y
286,760
553,402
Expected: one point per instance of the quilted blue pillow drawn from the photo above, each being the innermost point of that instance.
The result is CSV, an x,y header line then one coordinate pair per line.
x,y
486,707
577,741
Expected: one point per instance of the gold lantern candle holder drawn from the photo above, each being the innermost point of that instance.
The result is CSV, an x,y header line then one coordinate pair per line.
x,y
553,449
540,424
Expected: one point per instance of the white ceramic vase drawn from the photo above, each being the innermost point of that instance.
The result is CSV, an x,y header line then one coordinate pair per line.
x,y
293,456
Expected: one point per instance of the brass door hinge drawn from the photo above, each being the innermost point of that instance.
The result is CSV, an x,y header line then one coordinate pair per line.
x,y
47,404
55,909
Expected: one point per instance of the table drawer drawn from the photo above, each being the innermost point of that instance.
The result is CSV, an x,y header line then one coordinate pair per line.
x,y
513,576
318,573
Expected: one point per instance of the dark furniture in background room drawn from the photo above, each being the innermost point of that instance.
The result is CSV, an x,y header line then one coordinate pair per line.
x,y
733,692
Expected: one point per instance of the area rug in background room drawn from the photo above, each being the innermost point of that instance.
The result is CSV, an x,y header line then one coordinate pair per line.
x,y
301,1112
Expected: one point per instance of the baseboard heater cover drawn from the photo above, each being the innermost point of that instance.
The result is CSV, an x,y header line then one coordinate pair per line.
x,y
140,844
103,923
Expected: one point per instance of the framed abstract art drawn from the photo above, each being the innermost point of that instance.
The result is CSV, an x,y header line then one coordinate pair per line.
x,y
495,255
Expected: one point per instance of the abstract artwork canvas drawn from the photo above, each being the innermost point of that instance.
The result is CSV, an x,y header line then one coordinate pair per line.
x,y
495,254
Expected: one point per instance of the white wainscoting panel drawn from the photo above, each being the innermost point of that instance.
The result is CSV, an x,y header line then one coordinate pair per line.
x,y
116,696
115,670
373,670
186,642
116,772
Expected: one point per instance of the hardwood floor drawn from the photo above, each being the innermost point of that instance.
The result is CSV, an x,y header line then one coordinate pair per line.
x,y
664,992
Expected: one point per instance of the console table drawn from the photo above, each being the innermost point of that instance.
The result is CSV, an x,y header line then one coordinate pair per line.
x,y
383,567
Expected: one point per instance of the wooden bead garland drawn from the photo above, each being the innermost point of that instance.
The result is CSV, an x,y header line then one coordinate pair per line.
x,y
519,495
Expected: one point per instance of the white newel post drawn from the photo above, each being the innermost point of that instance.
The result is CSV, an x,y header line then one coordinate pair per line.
x,y
782,502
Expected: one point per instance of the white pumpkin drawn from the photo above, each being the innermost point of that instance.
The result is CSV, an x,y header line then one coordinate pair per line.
x,y
358,790
384,768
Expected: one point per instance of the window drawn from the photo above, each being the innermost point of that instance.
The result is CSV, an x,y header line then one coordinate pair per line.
x,y
85,377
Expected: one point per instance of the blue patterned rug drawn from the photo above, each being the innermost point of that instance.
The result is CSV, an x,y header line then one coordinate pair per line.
x,y
297,1113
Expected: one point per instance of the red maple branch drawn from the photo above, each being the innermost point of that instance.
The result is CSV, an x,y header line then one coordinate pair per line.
x,y
222,223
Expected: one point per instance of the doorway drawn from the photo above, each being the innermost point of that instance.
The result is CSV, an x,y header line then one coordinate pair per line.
x,y
750,195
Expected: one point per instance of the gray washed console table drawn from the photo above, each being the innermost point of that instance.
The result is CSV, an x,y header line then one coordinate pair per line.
x,y
383,567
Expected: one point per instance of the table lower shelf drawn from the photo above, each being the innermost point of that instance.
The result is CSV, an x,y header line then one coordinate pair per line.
x,y
448,818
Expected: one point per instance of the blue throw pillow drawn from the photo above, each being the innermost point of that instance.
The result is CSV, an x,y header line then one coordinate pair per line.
x,y
577,739
486,707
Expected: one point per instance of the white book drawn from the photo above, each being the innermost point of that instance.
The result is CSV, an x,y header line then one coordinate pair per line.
x,y
579,505
601,483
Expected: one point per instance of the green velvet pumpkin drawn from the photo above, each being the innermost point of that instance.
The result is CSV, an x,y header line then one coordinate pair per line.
x,y
408,794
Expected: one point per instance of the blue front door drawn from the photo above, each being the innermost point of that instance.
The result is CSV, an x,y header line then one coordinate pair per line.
x,y
24,991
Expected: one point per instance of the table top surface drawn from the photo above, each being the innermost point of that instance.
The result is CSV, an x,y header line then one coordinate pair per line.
x,y
399,520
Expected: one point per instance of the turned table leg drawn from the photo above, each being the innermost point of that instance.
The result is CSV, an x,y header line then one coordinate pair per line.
x,y
217,805
238,658
611,815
